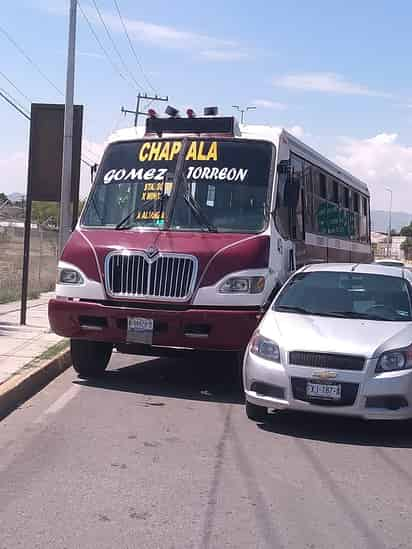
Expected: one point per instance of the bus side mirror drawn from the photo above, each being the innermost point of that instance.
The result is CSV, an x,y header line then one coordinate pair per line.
x,y
288,186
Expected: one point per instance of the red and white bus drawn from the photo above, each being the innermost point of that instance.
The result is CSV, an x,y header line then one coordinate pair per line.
x,y
190,228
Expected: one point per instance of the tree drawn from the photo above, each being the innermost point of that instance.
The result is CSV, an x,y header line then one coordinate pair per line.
x,y
48,212
3,198
407,230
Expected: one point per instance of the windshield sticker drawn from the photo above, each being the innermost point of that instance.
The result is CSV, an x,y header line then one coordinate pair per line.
x,y
154,191
211,193
153,215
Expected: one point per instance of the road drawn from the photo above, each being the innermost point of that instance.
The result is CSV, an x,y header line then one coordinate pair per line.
x,y
160,454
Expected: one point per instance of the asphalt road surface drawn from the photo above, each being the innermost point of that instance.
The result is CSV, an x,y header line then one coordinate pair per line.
x,y
159,454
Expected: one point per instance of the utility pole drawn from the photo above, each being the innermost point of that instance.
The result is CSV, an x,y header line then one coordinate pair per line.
x,y
141,96
242,111
65,200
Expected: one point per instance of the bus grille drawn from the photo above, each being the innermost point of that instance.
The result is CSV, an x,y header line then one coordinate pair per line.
x,y
167,276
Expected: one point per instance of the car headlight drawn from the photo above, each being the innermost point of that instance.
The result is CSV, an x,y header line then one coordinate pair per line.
x,y
265,348
399,359
243,285
69,276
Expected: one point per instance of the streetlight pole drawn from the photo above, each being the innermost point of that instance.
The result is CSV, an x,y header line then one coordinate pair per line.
x,y
389,248
242,111
65,198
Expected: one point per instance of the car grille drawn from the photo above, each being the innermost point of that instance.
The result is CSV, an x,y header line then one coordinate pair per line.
x,y
134,275
348,393
325,360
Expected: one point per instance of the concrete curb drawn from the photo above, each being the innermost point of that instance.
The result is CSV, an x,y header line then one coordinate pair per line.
x,y
31,379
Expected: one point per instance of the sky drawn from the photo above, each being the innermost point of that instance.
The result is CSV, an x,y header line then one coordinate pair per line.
x,y
336,73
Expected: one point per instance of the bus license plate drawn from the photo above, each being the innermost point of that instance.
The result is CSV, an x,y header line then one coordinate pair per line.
x,y
140,330
323,390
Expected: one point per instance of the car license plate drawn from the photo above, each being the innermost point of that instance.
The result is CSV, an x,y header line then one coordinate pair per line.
x,y
140,330
323,390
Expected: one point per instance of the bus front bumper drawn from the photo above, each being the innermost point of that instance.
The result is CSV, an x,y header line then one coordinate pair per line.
x,y
203,329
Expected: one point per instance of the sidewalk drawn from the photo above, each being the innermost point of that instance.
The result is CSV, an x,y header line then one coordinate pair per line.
x,y
19,345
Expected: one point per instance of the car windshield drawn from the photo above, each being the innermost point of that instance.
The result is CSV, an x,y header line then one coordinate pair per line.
x,y
347,295
223,186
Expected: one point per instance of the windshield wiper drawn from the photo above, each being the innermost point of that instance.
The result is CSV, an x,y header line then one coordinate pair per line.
x,y
287,309
122,224
199,213
353,314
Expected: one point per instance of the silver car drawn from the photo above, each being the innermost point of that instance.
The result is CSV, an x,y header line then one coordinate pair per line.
x,y
338,340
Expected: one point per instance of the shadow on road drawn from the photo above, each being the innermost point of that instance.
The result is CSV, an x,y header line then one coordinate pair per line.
x,y
341,430
8,328
211,380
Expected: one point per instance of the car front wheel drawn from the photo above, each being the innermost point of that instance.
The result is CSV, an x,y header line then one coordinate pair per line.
x,y
90,358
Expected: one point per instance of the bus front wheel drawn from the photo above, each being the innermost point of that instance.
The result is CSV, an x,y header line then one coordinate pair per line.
x,y
90,358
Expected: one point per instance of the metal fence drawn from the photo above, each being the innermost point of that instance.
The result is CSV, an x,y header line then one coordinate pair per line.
x,y
43,259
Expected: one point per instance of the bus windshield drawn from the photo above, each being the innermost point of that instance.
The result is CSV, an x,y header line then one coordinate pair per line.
x,y
223,186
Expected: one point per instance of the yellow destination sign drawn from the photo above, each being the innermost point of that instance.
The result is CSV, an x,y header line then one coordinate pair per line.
x,y
168,150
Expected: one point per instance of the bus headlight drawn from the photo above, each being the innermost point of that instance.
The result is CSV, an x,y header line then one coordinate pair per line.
x,y
243,285
69,276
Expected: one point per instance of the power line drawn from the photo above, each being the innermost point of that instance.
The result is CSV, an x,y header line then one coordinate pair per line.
x,y
20,109
87,163
89,151
96,37
29,59
139,98
132,47
11,101
6,96
14,86
116,49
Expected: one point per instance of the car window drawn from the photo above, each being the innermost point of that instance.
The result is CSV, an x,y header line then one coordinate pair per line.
x,y
351,295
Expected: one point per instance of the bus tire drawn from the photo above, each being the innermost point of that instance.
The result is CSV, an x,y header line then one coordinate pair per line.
x,y
90,358
255,412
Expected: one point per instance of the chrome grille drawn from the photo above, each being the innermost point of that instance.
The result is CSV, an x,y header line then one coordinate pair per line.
x,y
167,276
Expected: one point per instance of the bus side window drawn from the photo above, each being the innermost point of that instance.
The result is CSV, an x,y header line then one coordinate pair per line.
x,y
320,205
355,235
364,220
296,214
308,217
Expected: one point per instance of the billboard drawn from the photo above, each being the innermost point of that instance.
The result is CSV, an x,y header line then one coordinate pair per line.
x,y
46,152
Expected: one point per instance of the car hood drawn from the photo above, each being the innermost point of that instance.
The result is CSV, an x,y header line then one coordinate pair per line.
x,y
368,338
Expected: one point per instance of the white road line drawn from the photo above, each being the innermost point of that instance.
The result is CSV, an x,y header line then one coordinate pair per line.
x,y
60,403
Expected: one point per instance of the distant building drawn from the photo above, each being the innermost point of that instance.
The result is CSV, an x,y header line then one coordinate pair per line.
x,y
380,246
